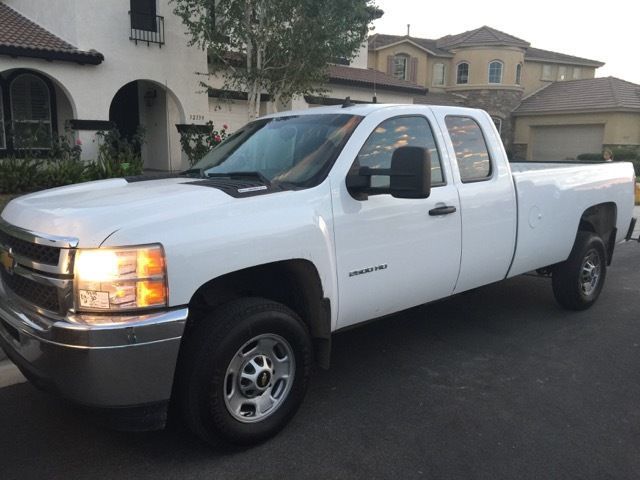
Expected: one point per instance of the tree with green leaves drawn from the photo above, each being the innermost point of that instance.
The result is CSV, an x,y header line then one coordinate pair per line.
x,y
278,47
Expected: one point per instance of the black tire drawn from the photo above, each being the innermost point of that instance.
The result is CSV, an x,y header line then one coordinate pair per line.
x,y
203,379
569,286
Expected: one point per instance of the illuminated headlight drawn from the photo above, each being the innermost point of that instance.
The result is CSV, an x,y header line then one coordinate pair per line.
x,y
119,279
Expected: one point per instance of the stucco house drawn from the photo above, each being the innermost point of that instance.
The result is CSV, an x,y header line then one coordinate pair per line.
x,y
547,105
94,64
578,116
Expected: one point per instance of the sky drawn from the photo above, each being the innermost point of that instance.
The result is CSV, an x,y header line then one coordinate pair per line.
x,y
608,31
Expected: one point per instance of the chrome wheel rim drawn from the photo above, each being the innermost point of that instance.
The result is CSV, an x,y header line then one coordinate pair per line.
x,y
590,272
259,378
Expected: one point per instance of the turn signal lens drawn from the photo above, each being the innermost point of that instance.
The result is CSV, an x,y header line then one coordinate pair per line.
x,y
151,293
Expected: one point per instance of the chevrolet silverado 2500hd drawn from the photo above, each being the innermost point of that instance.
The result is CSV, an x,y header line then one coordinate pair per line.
x,y
215,288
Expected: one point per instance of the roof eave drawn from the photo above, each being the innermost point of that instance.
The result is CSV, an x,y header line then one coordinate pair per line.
x,y
417,45
571,111
82,58
564,62
362,83
487,44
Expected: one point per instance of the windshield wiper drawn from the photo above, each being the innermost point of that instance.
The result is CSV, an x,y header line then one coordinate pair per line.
x,y
192,171
253,175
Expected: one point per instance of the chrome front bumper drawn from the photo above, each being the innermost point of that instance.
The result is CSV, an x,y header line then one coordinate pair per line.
x,y
109,365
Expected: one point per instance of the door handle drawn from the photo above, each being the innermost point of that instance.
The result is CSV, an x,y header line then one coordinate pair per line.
x,y
446,210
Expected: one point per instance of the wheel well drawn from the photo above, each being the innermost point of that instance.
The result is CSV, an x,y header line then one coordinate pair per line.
x,y
294,283
601,220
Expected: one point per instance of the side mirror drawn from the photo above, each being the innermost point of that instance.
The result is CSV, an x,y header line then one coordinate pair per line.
x,y
409,176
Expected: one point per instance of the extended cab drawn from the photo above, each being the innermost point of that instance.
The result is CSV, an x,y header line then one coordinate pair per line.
x,y
216,288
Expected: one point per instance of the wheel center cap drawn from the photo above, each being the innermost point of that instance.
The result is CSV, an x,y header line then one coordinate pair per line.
x,y
263,379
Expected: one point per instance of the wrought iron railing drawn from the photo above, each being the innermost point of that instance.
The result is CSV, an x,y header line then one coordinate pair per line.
x,y
146,28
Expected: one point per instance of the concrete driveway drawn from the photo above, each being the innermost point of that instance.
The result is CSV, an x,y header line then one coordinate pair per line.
x,y
495,383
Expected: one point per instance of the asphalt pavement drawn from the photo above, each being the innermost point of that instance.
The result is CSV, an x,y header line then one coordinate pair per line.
x,y
491,384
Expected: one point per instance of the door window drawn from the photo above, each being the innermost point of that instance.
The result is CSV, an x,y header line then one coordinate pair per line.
x,y
395,133
471,150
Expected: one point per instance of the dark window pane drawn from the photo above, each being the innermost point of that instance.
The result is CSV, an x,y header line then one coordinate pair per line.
x,y
143,15
470,147
463,73
495,72
395,133
31,112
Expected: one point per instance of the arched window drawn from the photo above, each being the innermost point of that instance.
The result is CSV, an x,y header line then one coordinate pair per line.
x,y
462,75
438,74
3,140
30,112
518,74
495,72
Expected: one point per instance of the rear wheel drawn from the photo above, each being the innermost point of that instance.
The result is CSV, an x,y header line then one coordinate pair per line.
x,y
244,372
578,281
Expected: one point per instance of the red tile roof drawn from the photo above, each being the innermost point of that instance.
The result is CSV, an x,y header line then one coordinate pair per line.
x,y
381,40
592,94
20,37
537,54
481,36
368,78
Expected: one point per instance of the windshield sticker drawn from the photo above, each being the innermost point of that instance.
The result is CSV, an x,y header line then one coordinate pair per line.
x,y
252,189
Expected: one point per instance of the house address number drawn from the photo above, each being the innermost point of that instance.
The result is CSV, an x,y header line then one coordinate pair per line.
x,y
196,117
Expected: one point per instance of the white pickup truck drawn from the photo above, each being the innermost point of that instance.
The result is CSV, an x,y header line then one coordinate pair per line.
x,y
215,290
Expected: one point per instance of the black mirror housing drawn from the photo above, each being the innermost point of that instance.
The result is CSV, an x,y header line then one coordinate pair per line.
x,y
410,173
409,176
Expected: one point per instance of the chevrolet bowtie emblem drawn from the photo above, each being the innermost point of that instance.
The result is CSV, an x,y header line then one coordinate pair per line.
x,y
7,260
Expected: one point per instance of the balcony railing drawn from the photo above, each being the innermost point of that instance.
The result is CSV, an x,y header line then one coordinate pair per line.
x,y
146,28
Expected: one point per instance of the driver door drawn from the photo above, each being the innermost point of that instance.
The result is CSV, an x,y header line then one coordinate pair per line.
x,y
393,253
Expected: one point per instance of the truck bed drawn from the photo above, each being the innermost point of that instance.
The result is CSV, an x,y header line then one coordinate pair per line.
x,y
551,200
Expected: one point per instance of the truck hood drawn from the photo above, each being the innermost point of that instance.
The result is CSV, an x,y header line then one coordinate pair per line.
x,y
92,211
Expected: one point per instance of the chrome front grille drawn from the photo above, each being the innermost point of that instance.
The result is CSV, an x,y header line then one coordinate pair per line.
x,y
38,253
37,269
37,294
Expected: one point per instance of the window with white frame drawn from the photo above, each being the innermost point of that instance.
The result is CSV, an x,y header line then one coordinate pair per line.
x,y
30,112
3,140
462,73
495,72
577,73
562,73
438,74
547,72
400,66
518,74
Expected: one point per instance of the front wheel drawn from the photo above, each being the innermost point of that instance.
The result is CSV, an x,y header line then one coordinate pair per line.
x,y
578,281
244,372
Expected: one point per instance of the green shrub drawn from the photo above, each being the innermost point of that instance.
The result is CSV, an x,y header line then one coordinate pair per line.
x,y
117,156
590,156
66,171
62,164
19,175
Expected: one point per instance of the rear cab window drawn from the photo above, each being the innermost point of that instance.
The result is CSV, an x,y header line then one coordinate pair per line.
x,y
470,146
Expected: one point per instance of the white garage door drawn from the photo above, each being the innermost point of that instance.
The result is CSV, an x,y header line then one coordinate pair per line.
x,y
566,142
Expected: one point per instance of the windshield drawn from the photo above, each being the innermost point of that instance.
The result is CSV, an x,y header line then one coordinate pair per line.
x,y
294,150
